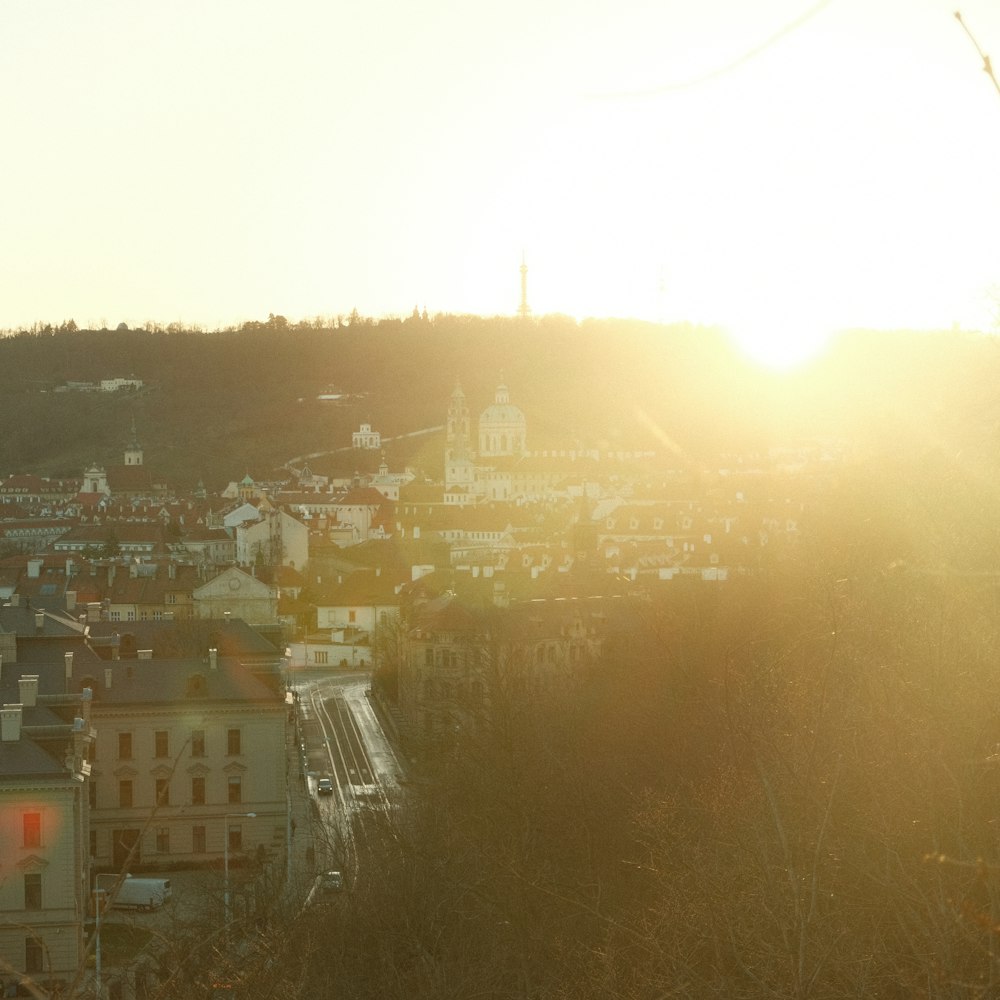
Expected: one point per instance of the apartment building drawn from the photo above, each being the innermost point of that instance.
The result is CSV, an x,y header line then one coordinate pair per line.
x,y
185,749
44,824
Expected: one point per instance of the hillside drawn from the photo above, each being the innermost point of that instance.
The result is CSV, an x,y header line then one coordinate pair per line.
x,y
216,405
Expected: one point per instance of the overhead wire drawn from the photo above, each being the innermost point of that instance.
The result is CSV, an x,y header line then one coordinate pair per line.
x,y
727,67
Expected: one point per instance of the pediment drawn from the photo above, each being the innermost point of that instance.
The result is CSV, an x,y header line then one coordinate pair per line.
x,y
32,863
235,767
125,771
198,770
161,771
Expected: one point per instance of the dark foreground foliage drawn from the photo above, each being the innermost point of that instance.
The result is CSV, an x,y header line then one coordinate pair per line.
x,y
784,787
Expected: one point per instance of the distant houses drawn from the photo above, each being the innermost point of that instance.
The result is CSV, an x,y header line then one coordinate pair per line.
x,y
117,384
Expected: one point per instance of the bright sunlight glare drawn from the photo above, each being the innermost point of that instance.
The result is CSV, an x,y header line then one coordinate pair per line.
x,y
780,343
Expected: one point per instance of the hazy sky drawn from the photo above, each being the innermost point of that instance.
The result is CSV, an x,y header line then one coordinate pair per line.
x,y
210,162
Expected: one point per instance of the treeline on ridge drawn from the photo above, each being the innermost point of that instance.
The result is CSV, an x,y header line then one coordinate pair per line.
x,y
215,405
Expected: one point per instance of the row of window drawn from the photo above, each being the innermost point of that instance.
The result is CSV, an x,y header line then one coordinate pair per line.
x,y
144,616
199,839
126,790
161,743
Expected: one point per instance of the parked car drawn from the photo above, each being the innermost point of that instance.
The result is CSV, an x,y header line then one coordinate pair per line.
x,y
141,894
324,786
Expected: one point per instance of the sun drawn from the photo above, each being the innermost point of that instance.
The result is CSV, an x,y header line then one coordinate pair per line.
x,y
779,342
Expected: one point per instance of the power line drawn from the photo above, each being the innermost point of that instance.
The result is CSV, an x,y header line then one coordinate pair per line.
x,y
728,67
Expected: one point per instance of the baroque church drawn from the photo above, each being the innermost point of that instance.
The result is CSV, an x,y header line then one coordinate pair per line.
x,y
126,481
472,475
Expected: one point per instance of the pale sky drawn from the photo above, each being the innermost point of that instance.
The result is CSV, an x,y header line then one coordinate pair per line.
x,y
211,162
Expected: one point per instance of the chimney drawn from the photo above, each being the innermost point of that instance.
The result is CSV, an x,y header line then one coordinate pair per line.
x,y
39,621
28,686
68,658
107,677
94,611
10,723
213,658
112,570
226,614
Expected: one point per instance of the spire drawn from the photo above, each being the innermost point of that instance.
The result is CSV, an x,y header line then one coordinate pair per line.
x,y
133,451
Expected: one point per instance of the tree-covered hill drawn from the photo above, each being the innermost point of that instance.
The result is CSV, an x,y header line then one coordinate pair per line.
x,y
215,405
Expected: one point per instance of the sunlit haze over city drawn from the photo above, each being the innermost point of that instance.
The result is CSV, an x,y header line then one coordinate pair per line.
x,y
782,168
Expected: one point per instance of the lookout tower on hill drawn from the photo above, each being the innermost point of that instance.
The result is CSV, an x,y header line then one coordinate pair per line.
x,y
523,310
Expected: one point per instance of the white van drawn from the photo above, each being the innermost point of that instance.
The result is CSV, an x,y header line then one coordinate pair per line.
x,y
142,893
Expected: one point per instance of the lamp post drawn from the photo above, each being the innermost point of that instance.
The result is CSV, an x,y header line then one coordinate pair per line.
x,y
98,905
225,865
100,902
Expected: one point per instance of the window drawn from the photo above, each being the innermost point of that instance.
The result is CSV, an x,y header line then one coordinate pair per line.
x,y
428,657
161,743
235,834
93,843
125,794
163,791
233,743
33,892
171,598
198,743
33,955
32,827
163,840
124,746
352,616
92,793
198,791
198,839
320,658
235,789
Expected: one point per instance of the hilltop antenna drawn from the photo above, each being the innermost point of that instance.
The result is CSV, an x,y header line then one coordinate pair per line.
x,y
987,67
523,310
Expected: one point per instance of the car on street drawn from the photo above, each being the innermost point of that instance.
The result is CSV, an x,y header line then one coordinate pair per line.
x,y
330,882
324,786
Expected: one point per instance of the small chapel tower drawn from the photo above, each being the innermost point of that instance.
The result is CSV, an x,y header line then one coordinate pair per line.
x,y
133,450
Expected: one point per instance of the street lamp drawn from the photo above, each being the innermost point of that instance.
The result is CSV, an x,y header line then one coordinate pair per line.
x,y
225,864
101,897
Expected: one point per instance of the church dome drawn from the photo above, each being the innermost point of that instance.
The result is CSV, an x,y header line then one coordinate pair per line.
x,y
501,426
